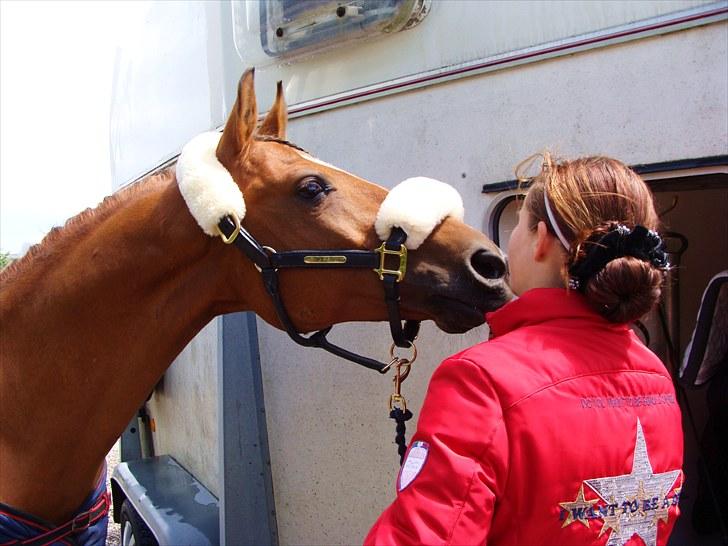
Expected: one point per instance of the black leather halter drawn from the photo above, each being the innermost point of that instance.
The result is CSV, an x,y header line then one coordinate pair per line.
x,y
268,262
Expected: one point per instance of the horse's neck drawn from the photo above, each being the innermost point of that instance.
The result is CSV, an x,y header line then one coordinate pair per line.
x,y
90,323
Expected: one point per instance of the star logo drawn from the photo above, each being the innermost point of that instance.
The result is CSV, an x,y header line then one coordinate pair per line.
x,y
577,510
610,522
644,494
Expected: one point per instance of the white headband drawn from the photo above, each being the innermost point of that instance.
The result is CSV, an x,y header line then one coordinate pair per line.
x,y
552,220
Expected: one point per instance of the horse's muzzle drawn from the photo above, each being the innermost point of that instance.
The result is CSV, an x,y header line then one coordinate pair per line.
x,y
458,298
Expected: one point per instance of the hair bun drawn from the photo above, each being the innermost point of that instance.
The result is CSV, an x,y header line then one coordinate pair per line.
x,y
625,289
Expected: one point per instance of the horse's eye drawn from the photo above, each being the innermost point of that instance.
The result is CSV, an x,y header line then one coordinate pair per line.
x,y
311,187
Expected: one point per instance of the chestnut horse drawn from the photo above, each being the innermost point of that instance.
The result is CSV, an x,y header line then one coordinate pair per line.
x,y
93,315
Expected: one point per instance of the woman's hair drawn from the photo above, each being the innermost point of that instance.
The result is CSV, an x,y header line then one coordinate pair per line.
x,y
589,198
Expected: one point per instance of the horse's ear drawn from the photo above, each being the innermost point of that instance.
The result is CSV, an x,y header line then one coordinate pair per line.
x,y
238,132
276,120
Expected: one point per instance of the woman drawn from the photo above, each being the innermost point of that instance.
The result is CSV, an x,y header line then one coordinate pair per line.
x,y
563,427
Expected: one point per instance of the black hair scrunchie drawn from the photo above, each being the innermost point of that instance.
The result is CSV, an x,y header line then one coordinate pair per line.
x,y
639,242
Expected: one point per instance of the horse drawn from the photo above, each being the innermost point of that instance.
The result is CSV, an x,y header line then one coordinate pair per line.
x,y
93,315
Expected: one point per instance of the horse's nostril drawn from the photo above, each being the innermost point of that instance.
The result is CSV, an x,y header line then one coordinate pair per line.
x,y
488,265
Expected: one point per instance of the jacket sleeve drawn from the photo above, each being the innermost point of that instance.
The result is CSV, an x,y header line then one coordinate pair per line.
x,y
451,499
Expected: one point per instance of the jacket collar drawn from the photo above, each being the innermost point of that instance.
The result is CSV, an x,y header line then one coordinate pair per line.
x,y
541,305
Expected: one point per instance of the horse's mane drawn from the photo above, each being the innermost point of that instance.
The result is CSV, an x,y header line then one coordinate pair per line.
x,y
59,236
267,138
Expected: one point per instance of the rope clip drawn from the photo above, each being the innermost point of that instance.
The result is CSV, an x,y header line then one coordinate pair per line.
x,y
402,370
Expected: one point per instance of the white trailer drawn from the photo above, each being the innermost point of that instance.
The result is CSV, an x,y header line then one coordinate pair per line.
x,y
270,442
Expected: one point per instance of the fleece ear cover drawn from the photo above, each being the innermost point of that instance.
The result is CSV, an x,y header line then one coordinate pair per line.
x,y
207,187
417,205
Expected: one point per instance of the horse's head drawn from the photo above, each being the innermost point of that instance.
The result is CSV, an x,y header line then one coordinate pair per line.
x,y
295,201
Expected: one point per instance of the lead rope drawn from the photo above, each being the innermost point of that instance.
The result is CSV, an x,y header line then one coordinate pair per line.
x,y
400,417
397,403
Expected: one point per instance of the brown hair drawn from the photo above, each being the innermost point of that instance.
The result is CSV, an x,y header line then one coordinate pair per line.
x,y
589,197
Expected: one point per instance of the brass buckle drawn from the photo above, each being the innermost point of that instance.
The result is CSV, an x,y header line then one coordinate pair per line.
x,y
397,400
234,235
401,253
81,522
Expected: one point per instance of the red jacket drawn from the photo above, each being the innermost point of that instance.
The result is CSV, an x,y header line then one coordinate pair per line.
x,y
562,429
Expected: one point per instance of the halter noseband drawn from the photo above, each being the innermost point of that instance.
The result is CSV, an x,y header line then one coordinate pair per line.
x,y
268,262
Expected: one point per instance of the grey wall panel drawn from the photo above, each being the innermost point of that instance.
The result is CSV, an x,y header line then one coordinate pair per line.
x,y
658,99
184,407
456,33
168,83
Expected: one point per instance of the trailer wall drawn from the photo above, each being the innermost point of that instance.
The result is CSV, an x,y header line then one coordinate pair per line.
x,y
661,97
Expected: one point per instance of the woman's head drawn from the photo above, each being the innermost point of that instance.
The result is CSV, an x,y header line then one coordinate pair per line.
x,y
580,202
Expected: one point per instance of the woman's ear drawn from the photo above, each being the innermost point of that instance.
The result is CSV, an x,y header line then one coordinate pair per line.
x,y
544,243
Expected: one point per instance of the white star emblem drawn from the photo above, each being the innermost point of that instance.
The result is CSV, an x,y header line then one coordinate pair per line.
x,y
643,495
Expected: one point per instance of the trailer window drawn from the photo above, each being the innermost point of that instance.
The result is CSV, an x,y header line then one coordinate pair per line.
x,y
269,30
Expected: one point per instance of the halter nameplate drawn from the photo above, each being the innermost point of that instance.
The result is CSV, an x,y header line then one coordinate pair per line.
x,y
324,259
